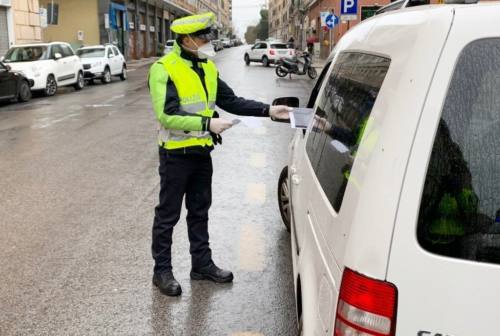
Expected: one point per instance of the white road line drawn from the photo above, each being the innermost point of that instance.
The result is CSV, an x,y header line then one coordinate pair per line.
x,y
252,251
247,333
256,193
258,160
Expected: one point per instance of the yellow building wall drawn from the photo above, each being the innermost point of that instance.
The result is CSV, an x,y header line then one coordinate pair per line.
x,y
26,21
74,16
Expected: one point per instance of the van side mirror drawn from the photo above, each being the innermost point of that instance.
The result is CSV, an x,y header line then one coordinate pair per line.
x,y
8,67
57,56
288,101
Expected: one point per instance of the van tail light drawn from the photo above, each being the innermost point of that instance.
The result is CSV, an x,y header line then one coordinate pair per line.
x,y
366,307
272,52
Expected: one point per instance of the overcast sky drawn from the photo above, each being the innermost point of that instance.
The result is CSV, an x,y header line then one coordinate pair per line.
x,y
246,13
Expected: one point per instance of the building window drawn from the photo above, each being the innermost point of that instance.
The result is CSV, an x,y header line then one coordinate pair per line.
x,y
368,12
52,13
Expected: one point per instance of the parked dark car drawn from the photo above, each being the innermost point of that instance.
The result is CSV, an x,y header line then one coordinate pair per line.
x,y
13,85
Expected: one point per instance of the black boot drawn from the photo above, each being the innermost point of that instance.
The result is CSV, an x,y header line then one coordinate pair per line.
x,y
211,272
167,284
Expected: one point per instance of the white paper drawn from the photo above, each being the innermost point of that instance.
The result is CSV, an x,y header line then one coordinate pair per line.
x,y
301,117
339,146
251,122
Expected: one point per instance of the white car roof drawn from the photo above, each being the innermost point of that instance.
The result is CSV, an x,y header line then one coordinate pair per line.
x,y
93,47
40,44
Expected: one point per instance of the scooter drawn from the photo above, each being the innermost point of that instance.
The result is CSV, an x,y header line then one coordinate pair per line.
x,y
289,66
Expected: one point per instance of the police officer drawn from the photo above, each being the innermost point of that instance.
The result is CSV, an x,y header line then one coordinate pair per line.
x,y
185,88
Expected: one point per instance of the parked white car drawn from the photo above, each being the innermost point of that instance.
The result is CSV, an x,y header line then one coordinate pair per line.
x,y
49,65
226,43
102,62
268,52
169,46
392,191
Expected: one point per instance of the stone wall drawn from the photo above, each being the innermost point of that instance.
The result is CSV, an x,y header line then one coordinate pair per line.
x,y
26,21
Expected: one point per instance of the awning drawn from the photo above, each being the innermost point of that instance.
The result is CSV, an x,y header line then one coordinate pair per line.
x,y
113,8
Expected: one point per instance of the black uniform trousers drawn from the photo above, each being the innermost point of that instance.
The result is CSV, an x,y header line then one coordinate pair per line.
x,y
188,174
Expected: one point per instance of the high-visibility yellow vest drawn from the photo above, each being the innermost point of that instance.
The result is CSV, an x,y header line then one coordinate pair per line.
x,y
193,100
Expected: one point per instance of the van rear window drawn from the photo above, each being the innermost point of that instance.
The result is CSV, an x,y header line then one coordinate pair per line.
x,y
279,46
460,208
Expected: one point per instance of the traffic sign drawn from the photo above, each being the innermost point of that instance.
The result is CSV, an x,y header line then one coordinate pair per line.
x,y
348,10
331,21
323,16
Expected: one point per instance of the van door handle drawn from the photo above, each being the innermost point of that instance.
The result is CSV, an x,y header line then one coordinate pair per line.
x,y
295,179
293,170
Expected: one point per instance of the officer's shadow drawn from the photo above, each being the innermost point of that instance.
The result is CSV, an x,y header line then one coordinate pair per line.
x,y
190,314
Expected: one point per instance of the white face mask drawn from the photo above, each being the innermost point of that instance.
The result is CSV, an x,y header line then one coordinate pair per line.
x,y
205,51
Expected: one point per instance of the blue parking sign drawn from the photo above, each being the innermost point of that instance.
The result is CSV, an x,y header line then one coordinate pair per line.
x,y
349,9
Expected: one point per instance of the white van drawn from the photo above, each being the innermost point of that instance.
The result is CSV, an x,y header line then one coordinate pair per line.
x,y
394,188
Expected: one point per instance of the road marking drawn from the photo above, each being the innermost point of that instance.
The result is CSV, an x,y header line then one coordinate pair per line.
x,y
258,160
251,257
260,130
46,122
99,105
256,193
247,333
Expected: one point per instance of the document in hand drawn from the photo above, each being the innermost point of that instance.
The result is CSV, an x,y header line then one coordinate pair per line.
x,y
300,117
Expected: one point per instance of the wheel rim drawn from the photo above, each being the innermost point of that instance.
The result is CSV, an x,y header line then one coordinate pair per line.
x,y
285,199
25,91
107,76
265,61
51,86
124,72
80,80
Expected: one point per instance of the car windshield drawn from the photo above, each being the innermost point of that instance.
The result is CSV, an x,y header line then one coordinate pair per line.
x,y
170,43
26,54
279,46
90,53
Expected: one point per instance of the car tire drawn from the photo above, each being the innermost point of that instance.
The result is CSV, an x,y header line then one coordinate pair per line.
x,y
80,82
284,197
50,86
247,59
106,76
265,61
124,75
24,92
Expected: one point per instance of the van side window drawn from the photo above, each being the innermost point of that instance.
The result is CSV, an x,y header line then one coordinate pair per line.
x,y
460,207
341,119
317,86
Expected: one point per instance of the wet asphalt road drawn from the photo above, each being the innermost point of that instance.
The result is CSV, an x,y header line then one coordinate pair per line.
x,y
78,190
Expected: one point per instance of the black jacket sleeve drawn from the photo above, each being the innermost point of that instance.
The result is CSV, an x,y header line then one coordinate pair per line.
x,y
228,101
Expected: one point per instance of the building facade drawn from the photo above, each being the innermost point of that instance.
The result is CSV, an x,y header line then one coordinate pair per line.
x,y
302,20
223,10
19,23
139,28
279,19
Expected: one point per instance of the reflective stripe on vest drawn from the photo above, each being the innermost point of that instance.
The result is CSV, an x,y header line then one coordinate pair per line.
x,y
192,99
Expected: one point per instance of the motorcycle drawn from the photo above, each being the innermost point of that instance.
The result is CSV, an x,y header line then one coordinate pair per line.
x,y
289,66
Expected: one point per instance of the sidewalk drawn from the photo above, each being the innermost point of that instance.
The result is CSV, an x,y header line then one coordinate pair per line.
x,y
134,64
318,63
